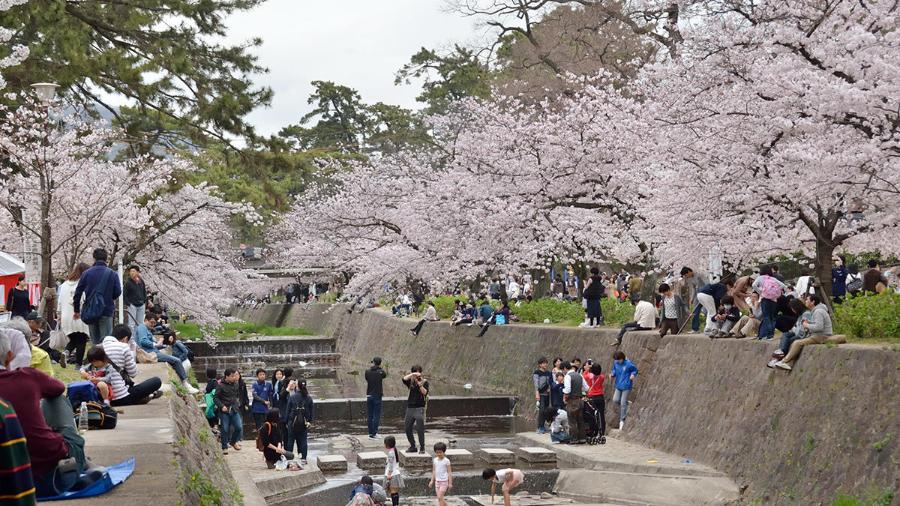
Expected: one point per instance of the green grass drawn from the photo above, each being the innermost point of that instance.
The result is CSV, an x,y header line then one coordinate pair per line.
x,y
67,375
237,330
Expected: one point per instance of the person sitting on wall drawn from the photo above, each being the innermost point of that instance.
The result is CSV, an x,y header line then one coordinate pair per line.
x,y
644,319
430,316
818,326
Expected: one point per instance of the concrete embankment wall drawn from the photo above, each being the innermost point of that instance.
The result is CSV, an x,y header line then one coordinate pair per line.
x,y
830,427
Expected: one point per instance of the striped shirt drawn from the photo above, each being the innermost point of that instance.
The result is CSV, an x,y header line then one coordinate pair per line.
x,y
120,354
109,376
16,484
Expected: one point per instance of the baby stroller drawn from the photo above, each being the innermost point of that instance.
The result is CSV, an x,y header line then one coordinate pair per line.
x,y
593,436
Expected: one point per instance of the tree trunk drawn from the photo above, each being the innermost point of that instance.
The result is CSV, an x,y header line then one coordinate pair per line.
x,y
824,252
46,237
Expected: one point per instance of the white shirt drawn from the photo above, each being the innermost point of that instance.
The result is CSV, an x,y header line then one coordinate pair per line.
x,y
392,467
67,323
430,314
645,314
441,469
567,384
513,290
560,423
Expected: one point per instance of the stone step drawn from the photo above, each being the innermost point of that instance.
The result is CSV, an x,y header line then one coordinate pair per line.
x,y
536,454
460,458
497,456
641,489
247,363
264,345
331,463
413,460
371,460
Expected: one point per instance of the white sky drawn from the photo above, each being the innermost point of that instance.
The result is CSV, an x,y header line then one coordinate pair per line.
x,y
356,43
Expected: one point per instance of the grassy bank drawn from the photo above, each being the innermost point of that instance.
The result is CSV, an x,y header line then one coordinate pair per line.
x,y
237,330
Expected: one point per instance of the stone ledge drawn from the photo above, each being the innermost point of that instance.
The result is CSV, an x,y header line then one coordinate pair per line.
x,y
497,456
371,460
331,463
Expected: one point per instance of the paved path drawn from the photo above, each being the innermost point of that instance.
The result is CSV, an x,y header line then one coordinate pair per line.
x,y
147,433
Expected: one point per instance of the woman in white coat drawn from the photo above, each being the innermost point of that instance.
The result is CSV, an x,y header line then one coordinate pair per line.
x,y
76,330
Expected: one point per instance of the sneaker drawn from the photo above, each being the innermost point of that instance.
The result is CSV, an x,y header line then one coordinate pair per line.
x,y
621,424
224,451
783,365
777,353
156,395
615,343
190,388
236,446
62,360
603,440
413,333
303,462
412,449
422,451
771,363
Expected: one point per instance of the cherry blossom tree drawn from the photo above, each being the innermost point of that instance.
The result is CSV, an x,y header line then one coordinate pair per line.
x,y
13,54
67,191
778,131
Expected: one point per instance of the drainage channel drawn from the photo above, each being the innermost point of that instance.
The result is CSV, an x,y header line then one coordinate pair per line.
x,y
457,416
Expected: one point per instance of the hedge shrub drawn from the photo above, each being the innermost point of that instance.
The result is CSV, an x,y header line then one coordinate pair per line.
x,y
875,317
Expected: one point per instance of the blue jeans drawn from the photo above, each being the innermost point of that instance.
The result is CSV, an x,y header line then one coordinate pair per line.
x,y
787,339
695,318
767,323
174,362
231,421
301,438
373,413
100,329
180,351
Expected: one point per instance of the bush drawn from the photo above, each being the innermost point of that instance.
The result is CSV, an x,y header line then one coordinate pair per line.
x,y
557,311
445,304
874,317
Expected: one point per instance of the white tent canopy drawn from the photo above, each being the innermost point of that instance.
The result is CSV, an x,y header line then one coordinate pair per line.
x,y
10,265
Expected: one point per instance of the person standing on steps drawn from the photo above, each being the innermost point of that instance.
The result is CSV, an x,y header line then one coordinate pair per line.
x,y
430,316
374,392
105,282
415,407
542,379
624,371
228,403
301,413
263,395
573,396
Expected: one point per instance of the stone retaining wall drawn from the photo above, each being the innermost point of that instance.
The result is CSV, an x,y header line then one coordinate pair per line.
x,y
829,427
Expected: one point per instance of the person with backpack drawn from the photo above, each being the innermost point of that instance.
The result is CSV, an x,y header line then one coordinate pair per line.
x,y
102,374
301,413
228,404
100,287
268,440
593,292
769,289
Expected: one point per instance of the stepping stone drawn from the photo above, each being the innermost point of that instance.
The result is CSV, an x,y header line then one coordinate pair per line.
x,y
460,457
497,456
371,460
415,460
536,454
331,463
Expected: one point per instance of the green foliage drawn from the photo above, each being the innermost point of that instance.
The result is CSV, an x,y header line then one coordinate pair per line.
x,y
448,78
164,55
884,497
557,311
616,312
881,444
232,330
869,317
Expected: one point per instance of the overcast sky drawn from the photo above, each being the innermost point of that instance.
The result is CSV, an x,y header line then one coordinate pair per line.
x,y
357,43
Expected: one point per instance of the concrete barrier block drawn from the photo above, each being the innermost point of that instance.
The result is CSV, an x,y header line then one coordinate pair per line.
x,y
415,460
497,456
460,458
536,454
331,463
371,460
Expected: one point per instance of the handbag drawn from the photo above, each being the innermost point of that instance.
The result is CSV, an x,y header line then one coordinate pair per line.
x,y
58,338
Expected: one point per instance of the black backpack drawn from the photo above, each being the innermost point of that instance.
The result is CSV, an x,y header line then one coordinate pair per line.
x,y
298,424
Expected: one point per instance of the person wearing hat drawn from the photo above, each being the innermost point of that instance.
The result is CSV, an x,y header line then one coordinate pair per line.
x,y
40,338
374,392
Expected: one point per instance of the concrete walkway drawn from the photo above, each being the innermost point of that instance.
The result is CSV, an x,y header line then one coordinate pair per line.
x,y
624,473
147,433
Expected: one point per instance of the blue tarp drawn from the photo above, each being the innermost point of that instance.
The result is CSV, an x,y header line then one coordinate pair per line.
x,y
115,475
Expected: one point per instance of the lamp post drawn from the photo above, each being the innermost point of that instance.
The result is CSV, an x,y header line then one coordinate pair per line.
x,y
46,92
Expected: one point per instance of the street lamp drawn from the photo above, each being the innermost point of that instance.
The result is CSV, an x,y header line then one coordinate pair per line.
x,y
46,92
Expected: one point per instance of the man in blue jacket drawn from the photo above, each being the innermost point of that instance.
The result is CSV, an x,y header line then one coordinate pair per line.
x,y
623,371
103,280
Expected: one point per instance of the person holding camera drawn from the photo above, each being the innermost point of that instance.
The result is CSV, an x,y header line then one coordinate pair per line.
x,y
415,407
